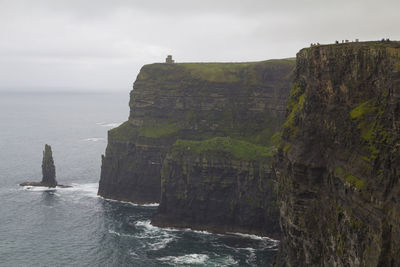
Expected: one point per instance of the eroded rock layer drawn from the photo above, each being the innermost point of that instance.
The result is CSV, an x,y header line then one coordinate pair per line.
x,y
338,161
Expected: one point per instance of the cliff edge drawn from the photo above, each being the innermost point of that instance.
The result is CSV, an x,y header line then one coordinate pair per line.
x,y
339,156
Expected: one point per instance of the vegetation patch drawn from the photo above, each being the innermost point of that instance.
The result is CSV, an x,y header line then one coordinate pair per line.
x,y
125,132
230,72
346,176
397,67
159,130
371,130
216,72
363,109
238,149
296,101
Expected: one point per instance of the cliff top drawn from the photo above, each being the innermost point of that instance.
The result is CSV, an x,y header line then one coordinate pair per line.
x,y
211,71
371,44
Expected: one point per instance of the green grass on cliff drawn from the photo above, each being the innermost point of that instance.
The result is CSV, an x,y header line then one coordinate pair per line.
x,y
230,72
123,133
361,110
238,149
159,130
348,177
368,116
295,104
216,72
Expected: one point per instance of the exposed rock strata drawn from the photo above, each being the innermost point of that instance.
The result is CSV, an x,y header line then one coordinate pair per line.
x,y
339,158
192,101
219,185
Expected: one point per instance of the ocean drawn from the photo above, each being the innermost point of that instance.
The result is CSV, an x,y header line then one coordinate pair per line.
x,y
74,226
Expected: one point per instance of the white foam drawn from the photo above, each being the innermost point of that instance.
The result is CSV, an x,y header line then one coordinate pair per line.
x,y
161,244
230,261
114,233
255,237
148,205
197,231
38,188
94,139
112,124
171,229
186,259
133,254
132,204
89,189
119,234
251,255
156,238
141,205
147,224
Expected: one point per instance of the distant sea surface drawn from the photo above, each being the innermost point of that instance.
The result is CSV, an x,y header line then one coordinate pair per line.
x,y
73,226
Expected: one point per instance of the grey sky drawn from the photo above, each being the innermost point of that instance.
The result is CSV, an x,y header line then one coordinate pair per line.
x,y
101,44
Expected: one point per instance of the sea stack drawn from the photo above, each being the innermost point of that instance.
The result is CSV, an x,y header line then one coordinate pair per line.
x,y
48,171
48,168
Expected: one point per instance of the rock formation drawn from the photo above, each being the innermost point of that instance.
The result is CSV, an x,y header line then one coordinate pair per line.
x,y
48,171
219,185
48,168
191,101
338,163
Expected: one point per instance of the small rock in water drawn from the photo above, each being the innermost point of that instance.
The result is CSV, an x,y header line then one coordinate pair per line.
x,y
48,171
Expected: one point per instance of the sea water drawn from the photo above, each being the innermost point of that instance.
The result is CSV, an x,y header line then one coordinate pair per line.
x,y
74,226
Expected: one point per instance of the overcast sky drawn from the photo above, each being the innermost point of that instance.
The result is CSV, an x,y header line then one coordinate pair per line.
x,y
101,44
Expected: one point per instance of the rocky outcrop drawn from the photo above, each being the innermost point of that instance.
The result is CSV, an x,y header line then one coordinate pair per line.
x,y
191,101
219,185
48,170
338,162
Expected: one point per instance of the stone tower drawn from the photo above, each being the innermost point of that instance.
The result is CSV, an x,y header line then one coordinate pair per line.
x,y
169,60
48,168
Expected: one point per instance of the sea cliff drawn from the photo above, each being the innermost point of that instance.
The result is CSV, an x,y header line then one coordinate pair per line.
x,y
338,160
224,112
219,185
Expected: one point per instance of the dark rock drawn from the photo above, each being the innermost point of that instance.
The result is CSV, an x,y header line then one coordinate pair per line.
x,y
338,162
48,168
208,185
32,184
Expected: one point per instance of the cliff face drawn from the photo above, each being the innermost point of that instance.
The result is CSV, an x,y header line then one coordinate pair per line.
x,y
222,185
191,101
338,161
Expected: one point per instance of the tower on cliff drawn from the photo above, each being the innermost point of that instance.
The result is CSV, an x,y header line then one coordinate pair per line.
x,y
48,168
169,60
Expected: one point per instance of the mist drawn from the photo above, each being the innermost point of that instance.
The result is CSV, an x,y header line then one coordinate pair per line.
x,y
99,45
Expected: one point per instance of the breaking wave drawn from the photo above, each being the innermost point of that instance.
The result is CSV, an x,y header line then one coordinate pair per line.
x,y
94,139
186,259
112,124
